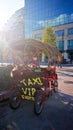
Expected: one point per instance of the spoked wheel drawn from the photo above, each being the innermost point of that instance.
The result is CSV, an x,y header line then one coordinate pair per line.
x,y
38,105
15,100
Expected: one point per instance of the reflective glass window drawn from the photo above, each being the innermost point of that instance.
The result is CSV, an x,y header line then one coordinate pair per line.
x,y
70,45
38,36
59,33
70,31
60,45
42,13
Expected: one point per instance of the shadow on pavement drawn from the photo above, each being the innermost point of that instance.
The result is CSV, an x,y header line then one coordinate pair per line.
x,y
60,111
68,82
56,115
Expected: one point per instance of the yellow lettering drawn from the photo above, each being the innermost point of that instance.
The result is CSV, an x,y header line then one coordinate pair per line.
x,y
33,91
35,80
29,93
23,81
29,98
24,90
22,96
30,82
32,98
39,81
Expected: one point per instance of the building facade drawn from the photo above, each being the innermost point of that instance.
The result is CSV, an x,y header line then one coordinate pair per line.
x,y
40,14
64,39
14,28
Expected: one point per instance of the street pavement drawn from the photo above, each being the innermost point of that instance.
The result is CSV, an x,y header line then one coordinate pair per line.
x,y
65,70
56,115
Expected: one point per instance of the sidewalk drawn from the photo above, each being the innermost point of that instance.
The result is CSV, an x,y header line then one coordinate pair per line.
x,y
65,70
67,65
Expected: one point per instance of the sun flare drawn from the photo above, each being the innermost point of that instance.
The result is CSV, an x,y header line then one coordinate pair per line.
x,y
2,19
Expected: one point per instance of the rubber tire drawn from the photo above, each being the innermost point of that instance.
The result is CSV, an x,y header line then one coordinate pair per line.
x,y
56,86
38,97
15,96
56,83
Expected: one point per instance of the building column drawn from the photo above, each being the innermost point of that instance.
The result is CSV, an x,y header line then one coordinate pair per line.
x,y
65,45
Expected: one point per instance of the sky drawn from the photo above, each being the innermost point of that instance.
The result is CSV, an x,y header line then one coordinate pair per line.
x,y
8,8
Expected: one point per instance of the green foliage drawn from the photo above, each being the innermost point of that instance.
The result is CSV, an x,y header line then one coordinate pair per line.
x,y
49,36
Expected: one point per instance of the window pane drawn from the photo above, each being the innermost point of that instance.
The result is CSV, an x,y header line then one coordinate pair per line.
x,y
38,36
60,45
70,44
59,33
70,31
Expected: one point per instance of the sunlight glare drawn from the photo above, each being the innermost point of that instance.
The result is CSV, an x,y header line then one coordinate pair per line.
x,y
3,19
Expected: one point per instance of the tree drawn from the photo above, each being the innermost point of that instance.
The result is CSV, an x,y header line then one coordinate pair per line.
x,y
49,36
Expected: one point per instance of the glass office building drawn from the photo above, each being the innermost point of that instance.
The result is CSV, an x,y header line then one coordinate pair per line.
x,y
42,13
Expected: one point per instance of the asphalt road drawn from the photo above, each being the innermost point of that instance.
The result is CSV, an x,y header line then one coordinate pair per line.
x,y
56,115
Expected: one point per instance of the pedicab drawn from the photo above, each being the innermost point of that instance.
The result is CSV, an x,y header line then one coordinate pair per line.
x,y
34,83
